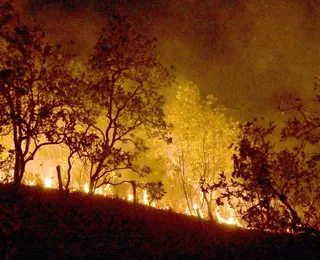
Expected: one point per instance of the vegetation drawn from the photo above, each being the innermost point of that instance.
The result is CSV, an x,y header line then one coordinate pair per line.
x,y
201,135
275,182
125,85
37,91
109,113
95,109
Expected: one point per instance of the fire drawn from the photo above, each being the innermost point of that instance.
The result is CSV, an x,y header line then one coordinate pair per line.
x,y
103,190
48,183
195,212
130,197
86,188
145,199
198,211
230,221
224,215
43,171
31,182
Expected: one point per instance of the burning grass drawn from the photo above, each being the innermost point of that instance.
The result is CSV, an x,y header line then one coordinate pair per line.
x,y
40,223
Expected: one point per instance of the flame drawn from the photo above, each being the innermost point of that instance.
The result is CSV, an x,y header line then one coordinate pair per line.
x,y
130,197
48,161
86,188
31,182
145,199
48,183
195,212
232,220
102,191
198,211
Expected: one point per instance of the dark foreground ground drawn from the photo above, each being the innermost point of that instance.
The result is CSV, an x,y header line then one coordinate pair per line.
x,y
39,224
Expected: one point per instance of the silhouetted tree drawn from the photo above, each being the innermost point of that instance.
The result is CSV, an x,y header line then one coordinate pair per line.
x,y
276,182
38,92
155,190
125,84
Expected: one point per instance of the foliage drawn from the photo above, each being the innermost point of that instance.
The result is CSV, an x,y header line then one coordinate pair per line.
x,y
37,91
125,86
199,149
276,183
102,111
155,190
6,164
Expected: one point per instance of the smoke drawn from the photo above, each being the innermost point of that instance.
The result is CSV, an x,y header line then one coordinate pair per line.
x,y
249,54
75,24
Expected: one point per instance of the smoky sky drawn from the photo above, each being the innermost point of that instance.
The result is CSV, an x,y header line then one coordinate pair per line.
x,y
249,54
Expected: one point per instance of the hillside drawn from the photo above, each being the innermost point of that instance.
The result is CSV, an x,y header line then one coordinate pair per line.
x,y
39,224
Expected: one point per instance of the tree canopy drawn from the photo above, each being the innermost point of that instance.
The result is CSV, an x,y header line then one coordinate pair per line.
x,y
200,146
37,91
96,111
276,174
125,86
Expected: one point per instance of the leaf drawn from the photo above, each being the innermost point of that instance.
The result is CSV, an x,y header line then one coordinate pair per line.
x,y
219,202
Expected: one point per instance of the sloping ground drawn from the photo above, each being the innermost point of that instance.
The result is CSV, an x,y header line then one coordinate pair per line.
x,y
39,224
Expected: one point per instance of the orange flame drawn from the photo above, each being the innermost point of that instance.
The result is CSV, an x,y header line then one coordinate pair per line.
x,y
86,188
130,197
48,183
232,220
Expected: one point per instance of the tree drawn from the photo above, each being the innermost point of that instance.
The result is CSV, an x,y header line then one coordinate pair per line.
x,y
199,150
125,86
38,94
154,190
276,183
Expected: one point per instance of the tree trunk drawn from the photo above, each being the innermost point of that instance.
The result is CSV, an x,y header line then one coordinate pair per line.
x,y
208,206
134,191
190,208
68,181
18,174
18,167
91,186
69,173
17,179
198,213
59,178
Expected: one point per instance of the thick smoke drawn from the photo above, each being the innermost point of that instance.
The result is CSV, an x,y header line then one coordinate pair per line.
x,y
249,54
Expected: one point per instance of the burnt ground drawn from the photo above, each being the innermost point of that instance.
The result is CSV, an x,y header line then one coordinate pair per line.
x,y
39,223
